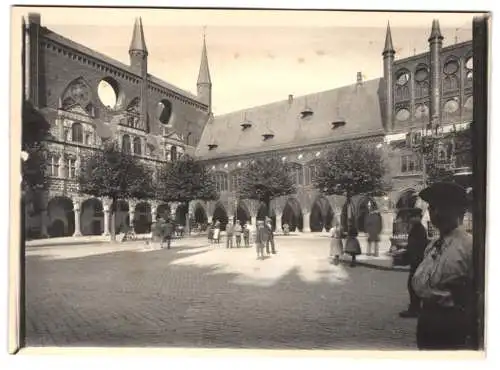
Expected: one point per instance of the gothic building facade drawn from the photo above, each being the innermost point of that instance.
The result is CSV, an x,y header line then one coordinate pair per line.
x,y
157,122
150,118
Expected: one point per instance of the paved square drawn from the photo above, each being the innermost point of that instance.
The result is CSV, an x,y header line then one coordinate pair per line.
x,y
196,295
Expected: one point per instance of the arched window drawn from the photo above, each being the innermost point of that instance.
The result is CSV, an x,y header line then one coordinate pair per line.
x,y
54,165
421,89
133,114
126,144
450,83
137,146
296,173
173,153
221,183
77,132
70,167
402,85
235,180
311,171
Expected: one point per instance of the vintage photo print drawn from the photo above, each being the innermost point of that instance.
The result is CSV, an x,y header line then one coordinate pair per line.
x,y
249,179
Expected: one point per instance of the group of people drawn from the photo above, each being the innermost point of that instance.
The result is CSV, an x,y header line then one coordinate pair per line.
x,y
262,235
163,230
440,282
236,230
352,246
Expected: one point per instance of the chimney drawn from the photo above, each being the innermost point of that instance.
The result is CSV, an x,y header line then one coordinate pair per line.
x,y
359,79
34,18
290,99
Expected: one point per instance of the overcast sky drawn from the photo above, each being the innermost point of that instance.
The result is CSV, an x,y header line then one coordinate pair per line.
x,y
256,57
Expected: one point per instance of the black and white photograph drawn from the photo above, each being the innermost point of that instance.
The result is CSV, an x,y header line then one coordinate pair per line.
x,y
251,179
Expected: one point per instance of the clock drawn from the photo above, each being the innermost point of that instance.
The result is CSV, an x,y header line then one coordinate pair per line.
x,y
403,78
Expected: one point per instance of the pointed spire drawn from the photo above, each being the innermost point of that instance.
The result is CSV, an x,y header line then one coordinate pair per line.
x,y
138,43
388,40
436,31
204,74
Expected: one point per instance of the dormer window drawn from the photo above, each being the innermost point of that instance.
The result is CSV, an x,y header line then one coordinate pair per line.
x,y
246,123
337,124
212,146
306,112
268,136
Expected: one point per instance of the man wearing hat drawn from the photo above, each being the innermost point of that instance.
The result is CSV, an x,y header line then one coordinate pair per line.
x,y
444,279
417,242
270,236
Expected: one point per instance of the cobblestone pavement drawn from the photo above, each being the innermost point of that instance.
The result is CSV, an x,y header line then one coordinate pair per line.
x,y
208,296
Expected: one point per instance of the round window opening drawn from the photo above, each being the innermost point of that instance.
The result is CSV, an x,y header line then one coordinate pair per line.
x,y
164,111
451,106
107,90
451,67
403,114
468,103
469,63
421,74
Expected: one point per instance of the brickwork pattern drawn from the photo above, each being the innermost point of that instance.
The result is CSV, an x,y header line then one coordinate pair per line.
x,y
193,296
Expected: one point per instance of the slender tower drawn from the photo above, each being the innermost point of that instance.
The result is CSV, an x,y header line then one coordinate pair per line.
x,y
204,85
388,55
435,45
139,62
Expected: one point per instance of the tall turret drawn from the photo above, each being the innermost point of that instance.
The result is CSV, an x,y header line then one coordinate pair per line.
x,y
204,85
138,51
435,45
388,55
139,62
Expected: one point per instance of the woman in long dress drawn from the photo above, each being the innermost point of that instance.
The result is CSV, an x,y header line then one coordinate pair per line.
x,y
336,245
352,246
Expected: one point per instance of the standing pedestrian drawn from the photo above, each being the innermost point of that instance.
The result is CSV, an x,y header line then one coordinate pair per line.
x,y
216,235
417,242
336,245
169,231
260,239
246,234
270,236
211,233
373,226
444,279
229,234
237,233
352,246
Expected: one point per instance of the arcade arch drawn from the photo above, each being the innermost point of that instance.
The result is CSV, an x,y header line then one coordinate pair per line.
x,y
92,218
220,214
61,217
292,215
321,216
242,213
142,218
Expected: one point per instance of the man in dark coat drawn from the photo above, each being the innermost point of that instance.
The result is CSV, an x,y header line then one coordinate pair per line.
x,y
169,232
444,280
417,242
270,236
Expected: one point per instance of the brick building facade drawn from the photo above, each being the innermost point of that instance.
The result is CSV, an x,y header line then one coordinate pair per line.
x,y
157,121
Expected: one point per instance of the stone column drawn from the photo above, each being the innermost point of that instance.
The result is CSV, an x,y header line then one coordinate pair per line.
x,y
253,220
278,223
131,215
77,210
106,220
153,213
209,220
306,228
173,210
